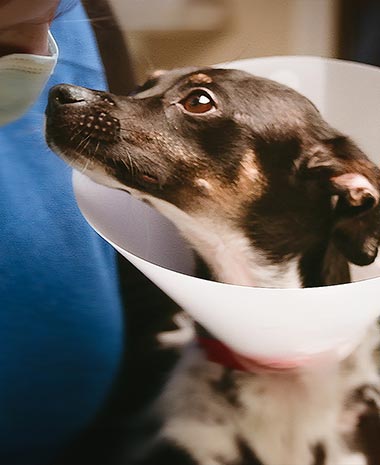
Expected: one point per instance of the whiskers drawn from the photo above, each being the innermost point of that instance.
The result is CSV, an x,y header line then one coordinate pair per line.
x,y
86,165
77,134
79,150
83,144
131,165
85,151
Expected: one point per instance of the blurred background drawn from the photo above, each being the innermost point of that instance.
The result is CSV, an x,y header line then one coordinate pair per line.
x,y
174,33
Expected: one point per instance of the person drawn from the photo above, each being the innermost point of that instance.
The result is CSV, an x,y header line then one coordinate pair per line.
x,y
61,314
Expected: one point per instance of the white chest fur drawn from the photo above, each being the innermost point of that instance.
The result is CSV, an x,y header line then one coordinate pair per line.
x,y
228,252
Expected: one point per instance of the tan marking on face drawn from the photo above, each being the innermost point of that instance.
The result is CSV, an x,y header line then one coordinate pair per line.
x,y
250,177
220,199
204,185
200,78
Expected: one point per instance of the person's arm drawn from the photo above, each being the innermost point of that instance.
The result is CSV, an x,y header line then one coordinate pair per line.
x,y
24,26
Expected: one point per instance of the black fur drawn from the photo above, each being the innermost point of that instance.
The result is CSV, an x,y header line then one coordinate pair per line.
x,y
167,453
226,387
319,454
247,456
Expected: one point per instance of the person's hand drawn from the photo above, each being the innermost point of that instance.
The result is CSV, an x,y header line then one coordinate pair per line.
x,y
24,25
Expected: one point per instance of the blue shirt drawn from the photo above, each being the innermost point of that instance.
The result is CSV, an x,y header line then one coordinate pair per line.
x,y
60,310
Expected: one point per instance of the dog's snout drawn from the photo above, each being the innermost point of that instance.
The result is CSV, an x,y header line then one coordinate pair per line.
x,y
64,94
70,107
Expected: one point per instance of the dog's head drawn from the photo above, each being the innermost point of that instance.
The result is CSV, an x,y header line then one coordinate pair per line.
x,y
222,150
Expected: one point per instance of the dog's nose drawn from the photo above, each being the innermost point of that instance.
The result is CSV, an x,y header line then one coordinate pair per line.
x,y
65,94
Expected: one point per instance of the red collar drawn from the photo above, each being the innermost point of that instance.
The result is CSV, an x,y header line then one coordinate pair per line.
x,y
218,352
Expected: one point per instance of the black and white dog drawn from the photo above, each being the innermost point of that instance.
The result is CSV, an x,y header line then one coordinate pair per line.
x,y
269,195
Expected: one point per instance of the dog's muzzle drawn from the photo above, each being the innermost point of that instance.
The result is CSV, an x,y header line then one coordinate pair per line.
x,y
88,110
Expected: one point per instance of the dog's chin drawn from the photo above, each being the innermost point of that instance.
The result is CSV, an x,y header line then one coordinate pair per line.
x,y
74,158
84,162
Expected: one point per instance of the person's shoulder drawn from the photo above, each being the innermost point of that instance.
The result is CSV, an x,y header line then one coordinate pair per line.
x,y
75,36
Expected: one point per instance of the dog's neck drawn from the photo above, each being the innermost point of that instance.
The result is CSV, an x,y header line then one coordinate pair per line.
x,y
324,266
228,253
233,259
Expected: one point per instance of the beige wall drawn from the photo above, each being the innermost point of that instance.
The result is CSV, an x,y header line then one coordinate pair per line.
x,y
251,28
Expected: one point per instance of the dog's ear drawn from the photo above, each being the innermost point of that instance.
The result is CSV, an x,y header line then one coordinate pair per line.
x,y
353,183
356,232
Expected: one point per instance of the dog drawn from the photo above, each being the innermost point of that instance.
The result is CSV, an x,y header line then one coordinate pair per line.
x,y
269,195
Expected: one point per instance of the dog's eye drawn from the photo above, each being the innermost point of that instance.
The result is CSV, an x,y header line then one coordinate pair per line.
x,y
199,101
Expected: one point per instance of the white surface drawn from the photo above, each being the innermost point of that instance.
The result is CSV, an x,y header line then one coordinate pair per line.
x,y
278,324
